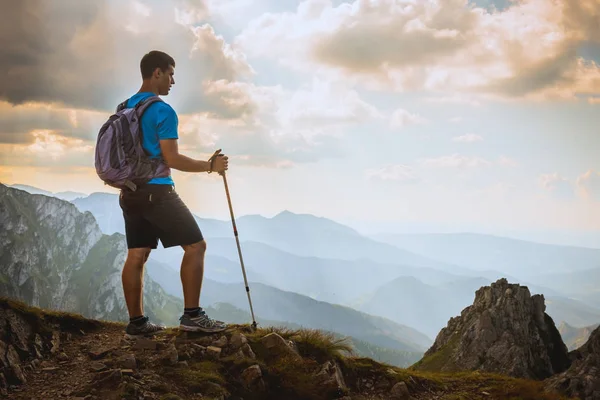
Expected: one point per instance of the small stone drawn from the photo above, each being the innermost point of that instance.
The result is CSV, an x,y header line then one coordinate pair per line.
x,y
237,340
278,346
399,391
252,377
213,352
97,354
145,344
97,366
128,362
247,351
170,356
221,342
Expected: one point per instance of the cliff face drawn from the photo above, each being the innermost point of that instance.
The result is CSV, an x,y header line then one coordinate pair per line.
x,y
53,256
582,379
506,330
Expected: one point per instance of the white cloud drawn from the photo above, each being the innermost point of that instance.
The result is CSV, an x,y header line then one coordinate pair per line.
x,y
468,138
401,118
397,172
455,161
507,161
557,185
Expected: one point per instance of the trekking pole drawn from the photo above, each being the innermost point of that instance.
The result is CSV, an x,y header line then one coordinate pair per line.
x,y
237,240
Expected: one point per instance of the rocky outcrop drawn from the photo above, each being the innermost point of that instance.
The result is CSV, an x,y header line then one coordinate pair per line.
x,y
582,379
53,256
506,331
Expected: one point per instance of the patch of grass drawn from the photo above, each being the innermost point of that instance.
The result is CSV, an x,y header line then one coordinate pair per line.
x,y
201,377
170,396
321,346
293,380
439,359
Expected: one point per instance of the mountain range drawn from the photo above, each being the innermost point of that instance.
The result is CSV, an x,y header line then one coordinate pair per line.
x,y
414,280
54,256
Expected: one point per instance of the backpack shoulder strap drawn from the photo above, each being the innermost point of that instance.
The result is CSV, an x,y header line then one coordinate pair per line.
x,y
144,104
122,105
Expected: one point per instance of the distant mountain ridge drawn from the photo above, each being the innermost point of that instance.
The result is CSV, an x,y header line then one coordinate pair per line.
x,y
523,259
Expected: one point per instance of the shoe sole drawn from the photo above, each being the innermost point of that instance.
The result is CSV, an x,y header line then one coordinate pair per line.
x,y
142,335
200,329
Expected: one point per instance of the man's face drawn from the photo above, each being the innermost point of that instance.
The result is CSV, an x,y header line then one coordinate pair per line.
x,y
165,80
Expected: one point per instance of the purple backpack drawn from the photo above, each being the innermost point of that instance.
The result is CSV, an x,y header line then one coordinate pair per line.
x,y
121,161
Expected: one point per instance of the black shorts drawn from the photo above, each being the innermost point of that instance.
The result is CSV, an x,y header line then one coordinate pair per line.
x,y
156,212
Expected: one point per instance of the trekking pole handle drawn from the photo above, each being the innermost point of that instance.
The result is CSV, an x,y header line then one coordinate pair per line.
x,y
215,154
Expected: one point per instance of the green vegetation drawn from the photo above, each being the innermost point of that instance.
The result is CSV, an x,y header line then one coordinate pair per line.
x,y
440,358
200,377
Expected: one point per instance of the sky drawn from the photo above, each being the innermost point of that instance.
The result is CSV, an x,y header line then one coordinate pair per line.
x,y
387,115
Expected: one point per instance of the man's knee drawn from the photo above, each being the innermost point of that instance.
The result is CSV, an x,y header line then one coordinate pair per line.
x,y
197,248
138,256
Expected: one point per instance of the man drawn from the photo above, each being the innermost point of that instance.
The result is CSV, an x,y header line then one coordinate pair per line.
x,y
155,211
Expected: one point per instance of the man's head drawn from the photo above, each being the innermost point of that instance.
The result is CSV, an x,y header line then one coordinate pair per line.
x,y
157,70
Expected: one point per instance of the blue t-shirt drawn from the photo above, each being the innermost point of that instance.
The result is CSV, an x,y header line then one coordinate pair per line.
x,y
158,122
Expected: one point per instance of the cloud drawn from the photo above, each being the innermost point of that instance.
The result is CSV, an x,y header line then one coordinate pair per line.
x,y
18,121
325,104
48,149
594,100
588,185
86,55
287,126
557,185
397,173
467,138
507,161
402,118
527,50
455,161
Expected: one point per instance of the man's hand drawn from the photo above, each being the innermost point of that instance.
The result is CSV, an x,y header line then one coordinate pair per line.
x,y
220,163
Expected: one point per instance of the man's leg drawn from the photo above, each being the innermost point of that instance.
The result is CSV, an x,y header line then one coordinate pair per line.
x,y
176,226
192,273
133,281
141,238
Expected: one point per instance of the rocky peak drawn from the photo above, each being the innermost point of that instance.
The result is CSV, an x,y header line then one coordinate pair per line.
x,y
506,330
582,379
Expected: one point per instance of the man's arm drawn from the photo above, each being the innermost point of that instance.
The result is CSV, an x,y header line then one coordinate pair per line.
x,y
175,160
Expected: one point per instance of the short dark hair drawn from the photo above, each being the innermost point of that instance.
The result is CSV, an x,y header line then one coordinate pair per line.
x,y
155,59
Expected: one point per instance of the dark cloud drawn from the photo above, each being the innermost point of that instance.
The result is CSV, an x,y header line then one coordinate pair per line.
x,y
582,18
17,122
551,72
85,54
366,45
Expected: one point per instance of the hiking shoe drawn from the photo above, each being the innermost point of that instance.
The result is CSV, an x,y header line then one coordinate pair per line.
x,y
201,323
146,329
